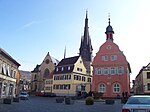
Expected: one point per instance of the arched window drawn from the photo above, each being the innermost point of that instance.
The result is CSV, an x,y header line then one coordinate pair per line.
x,y
102,88
116,88
46,73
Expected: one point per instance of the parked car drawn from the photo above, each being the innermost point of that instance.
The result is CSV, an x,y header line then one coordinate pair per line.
x,y
39,94
24,96
47,94
138,103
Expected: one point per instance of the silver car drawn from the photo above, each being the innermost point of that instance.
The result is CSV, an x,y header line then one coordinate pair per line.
x,y
24,96
137,103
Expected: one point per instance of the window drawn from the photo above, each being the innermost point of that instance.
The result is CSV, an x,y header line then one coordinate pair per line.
x,y
102,88
83,78
80,61
98,71
69,77
113,57
120,70
104,58
68,67
148,86
148,75
61,86
57,69
46,72
4,69
113,71
116,88
89,79
79,78
62,68
106,70
79,69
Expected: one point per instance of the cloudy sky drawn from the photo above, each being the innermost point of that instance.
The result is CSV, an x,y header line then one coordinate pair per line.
x,y
29,29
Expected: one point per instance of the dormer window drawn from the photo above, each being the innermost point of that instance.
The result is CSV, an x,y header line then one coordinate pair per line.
x,y
57,69
68,67
62,68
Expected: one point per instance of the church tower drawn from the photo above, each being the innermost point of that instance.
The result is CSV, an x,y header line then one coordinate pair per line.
x,y
86,49
86,46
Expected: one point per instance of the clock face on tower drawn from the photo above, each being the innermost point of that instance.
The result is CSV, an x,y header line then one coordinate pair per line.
x,y
47,61
109,47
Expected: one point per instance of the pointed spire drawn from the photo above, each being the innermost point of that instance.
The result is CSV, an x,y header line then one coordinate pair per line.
x,y
109,30
86,46
65,53
109,19
86,14
48,54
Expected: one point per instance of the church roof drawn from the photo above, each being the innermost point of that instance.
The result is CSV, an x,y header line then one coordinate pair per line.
x,y
36,69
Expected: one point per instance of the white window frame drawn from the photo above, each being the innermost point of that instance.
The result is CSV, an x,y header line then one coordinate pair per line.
x,y
102,88
120,70
98,71
116,88
105,58
106,71
113,57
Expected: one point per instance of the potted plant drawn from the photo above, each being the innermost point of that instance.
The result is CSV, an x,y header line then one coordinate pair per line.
x,y
59,99
68,101
89,101
15,99
7,100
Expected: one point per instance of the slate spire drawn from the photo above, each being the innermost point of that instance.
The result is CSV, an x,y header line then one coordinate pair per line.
x,y
109,31
86,46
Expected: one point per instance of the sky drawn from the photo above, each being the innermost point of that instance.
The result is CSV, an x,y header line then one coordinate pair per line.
x,y
29,29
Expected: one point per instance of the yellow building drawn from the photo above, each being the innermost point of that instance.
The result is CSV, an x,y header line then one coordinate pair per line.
x,y
48,87
8,75
71,78
142,81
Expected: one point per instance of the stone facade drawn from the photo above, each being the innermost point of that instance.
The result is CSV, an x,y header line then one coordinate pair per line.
x,y
8,75
42,72
141,83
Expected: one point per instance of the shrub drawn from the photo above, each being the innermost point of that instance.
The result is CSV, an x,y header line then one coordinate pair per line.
x,y
89,101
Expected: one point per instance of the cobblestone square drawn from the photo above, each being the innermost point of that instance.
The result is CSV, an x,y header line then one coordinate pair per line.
x,y
47,104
